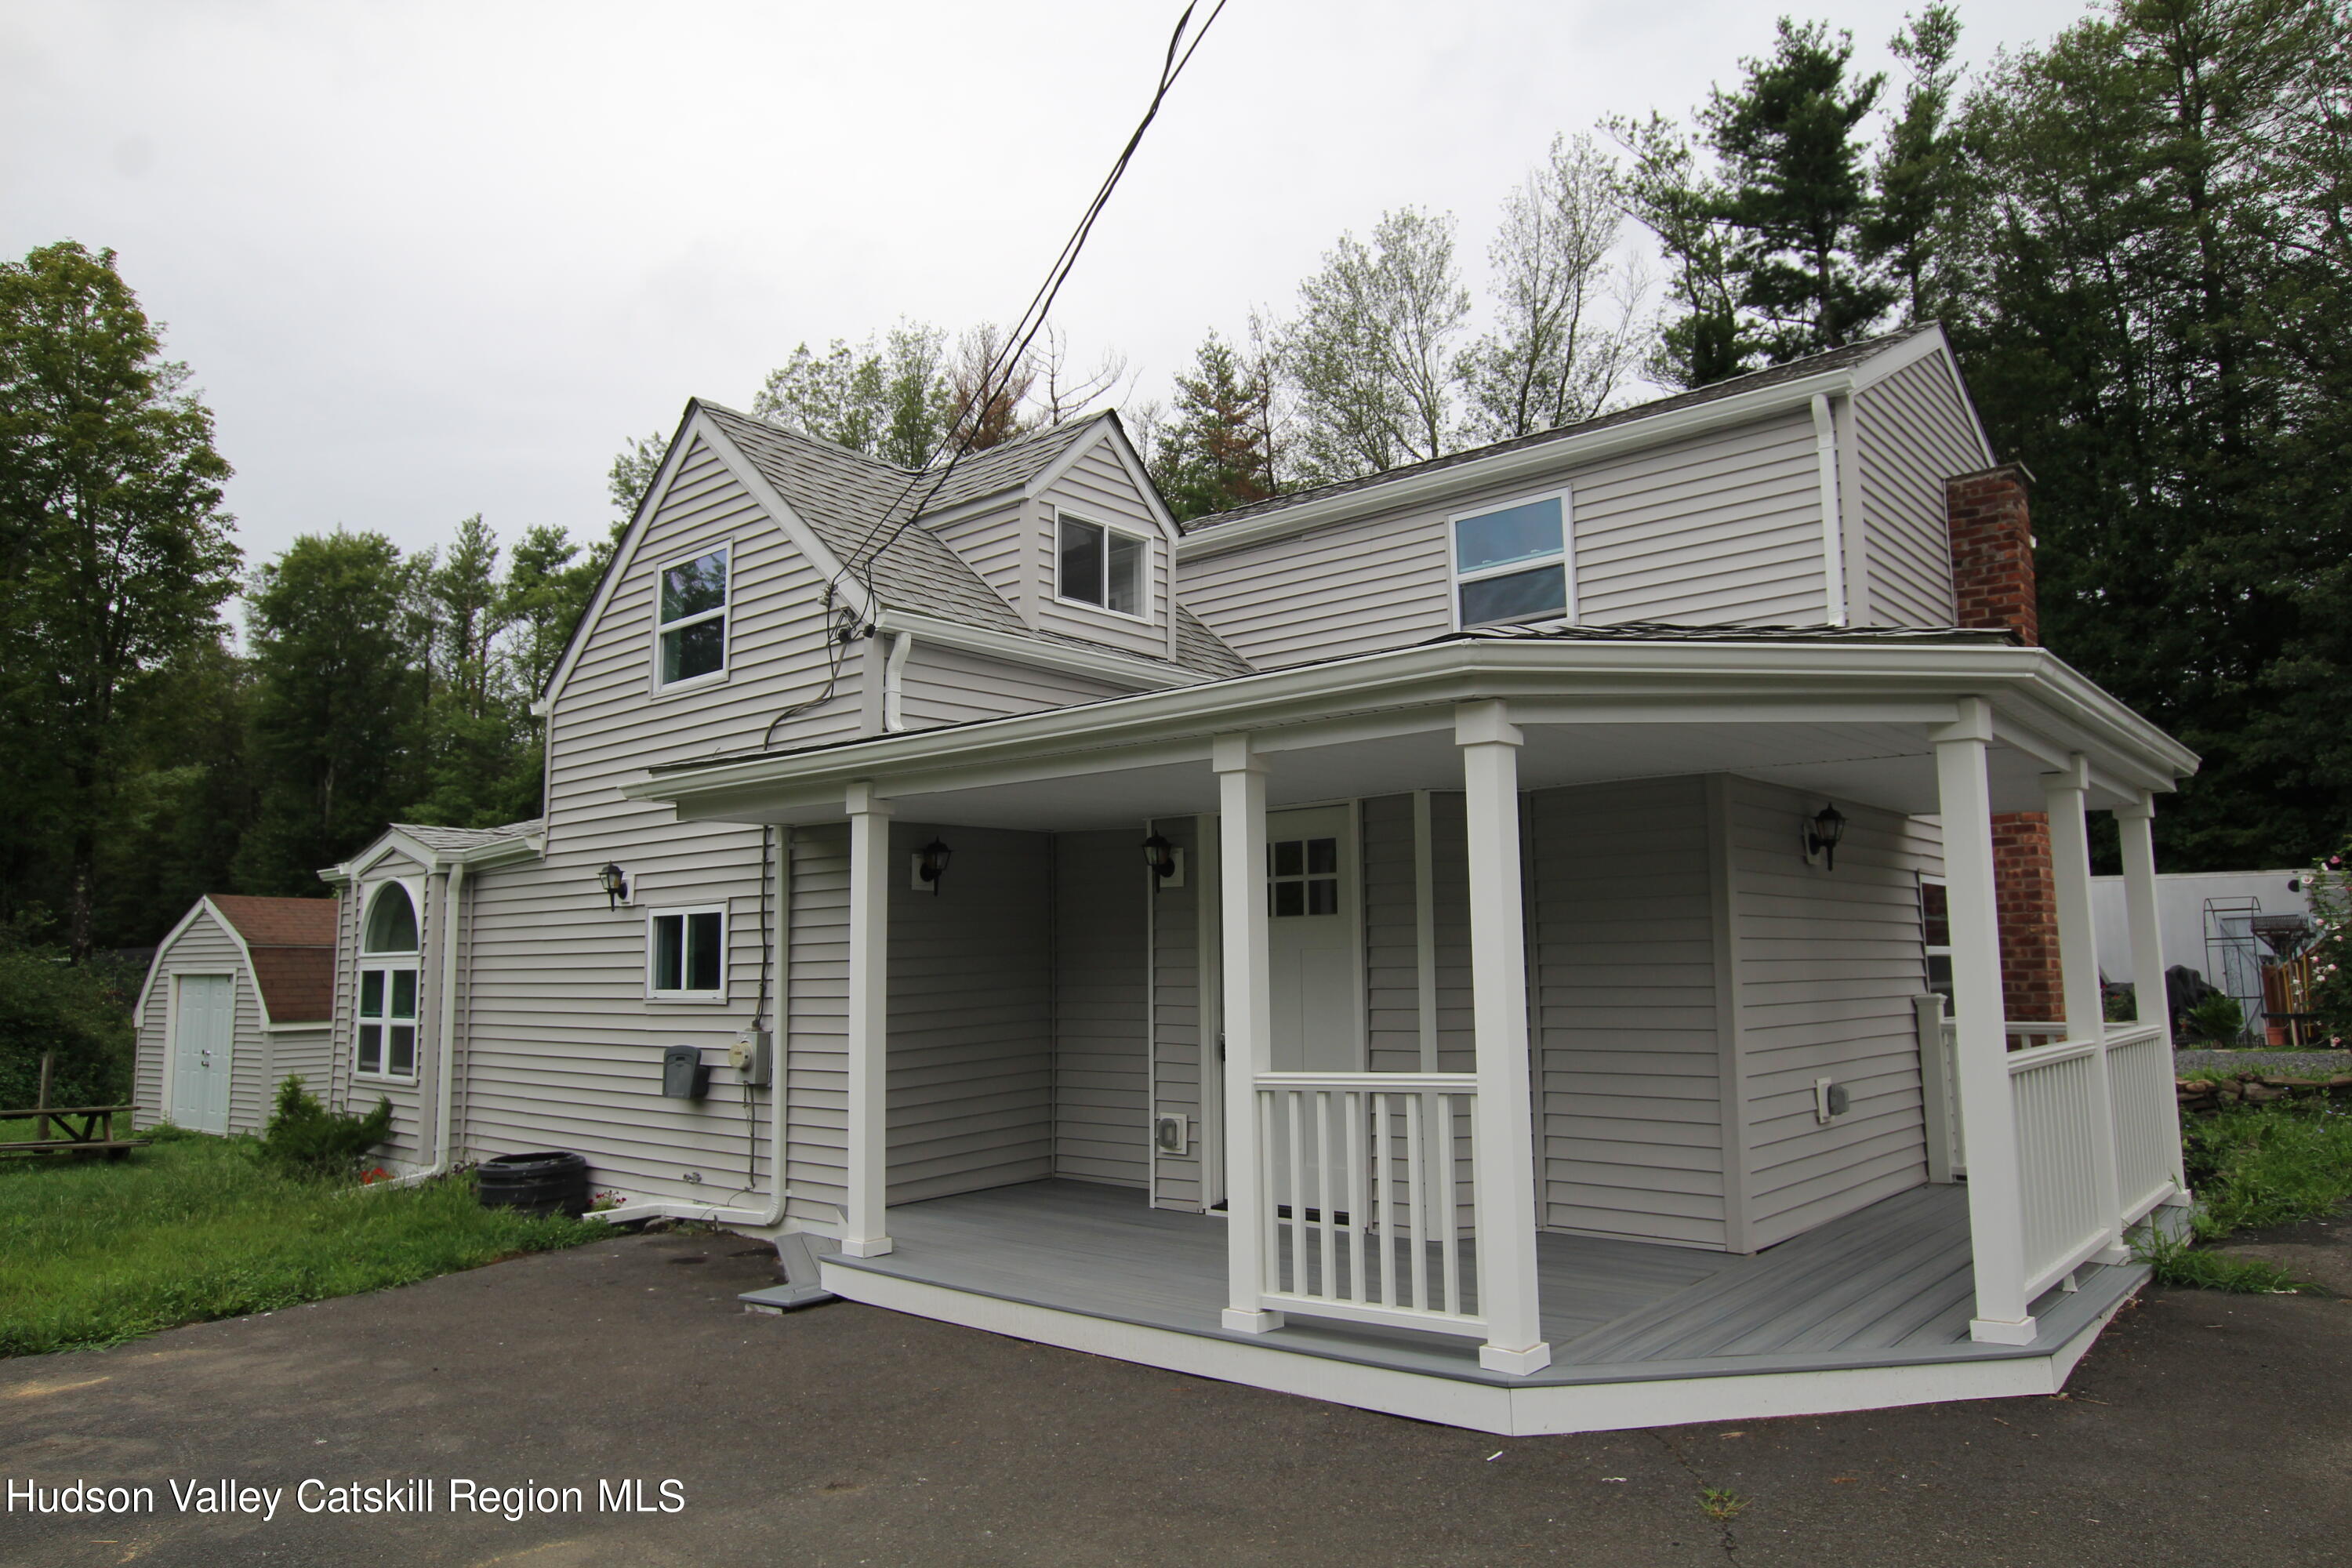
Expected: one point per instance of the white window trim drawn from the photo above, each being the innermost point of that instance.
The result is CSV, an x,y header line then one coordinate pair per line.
x,y
413,962
1142,588
724,615
726,937
1455,576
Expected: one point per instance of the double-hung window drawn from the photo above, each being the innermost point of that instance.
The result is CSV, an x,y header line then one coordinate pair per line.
x,y
385,1041
1101,566
692,631
1936,936
1511,564
686,955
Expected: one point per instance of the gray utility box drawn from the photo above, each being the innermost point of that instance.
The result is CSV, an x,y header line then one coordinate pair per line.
x,y
683,1075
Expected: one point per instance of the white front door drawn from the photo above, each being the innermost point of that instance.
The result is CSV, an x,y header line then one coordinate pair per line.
x,y
1315,976
1314,957
204,1032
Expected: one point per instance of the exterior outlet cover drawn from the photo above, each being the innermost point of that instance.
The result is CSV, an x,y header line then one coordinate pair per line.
x,y
1829,1100
1172,1135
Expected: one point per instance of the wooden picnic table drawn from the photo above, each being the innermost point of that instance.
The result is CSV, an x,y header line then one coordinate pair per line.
x,y
96,1133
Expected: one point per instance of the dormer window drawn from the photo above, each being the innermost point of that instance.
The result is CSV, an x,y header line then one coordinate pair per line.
x,y
1101,566
1511,564
691,637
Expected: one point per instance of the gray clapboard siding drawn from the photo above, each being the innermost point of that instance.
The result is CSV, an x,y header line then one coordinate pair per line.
x,y
1913,433
1101,1066
1181,1077
994,546
1097,488
971,1043
950,686
1718,528
1392,966
1829,964
1630,1061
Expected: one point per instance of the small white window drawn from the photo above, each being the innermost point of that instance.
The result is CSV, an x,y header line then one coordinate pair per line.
x,y
686,955
1101,566
384,1042
691,644
1511,564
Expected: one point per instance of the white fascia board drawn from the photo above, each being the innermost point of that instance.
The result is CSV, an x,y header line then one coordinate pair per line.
x,y
1545,457
1621,681
1932,342
300,1026
1117,668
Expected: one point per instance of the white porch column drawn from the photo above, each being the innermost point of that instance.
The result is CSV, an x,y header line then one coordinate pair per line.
x,y
864,1230
1503,1136
1995,1198
2134,825
1249,1024
2078,958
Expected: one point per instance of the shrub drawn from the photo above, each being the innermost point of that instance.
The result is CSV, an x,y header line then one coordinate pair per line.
x,y
304,1136
80,1012
2216,1019
2329,887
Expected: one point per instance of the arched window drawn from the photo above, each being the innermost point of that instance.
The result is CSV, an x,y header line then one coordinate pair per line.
x,y
391,922
384,1045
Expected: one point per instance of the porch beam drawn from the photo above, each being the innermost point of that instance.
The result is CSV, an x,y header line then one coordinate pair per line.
x,y
2065,796
2135,827
865,1225
1249,1024
1503,1140
1996,1196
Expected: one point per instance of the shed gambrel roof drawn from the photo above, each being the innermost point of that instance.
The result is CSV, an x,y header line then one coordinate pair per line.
x,y
847,499
290,948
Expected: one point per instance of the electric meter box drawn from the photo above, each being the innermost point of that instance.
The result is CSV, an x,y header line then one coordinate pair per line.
x,y
683,1075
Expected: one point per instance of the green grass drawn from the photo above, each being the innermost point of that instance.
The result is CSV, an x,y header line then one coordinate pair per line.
x,y
2256,1166
193,1229
2176,1261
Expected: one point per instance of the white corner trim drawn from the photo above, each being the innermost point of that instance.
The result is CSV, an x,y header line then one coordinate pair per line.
x,y
1825,459
1117,668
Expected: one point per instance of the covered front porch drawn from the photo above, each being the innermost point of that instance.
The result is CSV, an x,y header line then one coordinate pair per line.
x,y
1720,1157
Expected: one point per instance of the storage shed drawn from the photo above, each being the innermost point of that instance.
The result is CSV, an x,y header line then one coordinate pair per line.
x,y
241,996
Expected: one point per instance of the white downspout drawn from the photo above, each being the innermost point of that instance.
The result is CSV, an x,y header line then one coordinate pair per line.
x,y
1833,532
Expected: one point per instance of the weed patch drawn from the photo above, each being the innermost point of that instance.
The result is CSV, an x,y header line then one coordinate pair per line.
x,y
2175,1261
195,1228
2272,1164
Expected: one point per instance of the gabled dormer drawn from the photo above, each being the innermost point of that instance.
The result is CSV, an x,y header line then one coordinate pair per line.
x,y
1067,527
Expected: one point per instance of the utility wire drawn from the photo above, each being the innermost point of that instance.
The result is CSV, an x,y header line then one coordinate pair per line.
x,y
1032,321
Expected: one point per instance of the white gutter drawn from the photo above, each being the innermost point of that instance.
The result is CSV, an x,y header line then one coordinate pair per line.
x,y
1825,454
1104,665
894,682
1543,457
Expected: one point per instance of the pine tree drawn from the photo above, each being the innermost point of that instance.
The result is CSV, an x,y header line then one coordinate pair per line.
x,y
1217,451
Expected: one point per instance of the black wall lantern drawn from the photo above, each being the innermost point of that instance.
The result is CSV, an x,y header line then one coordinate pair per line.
x,y
932,863
1821,836
1160,856
615,883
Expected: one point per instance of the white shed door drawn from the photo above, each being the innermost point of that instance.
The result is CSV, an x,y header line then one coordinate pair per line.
x,y
204,1034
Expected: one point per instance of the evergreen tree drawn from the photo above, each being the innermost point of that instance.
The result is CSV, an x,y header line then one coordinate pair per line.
x,y
1706,338
114,556
1217,450
1918,169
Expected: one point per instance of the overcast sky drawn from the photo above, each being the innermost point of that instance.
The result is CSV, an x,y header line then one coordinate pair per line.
x,y
432,260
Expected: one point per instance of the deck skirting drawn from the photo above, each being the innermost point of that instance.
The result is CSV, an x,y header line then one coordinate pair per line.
x,y
1640,1396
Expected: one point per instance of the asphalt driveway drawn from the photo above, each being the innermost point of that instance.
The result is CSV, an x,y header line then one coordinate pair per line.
x,y
2204,1429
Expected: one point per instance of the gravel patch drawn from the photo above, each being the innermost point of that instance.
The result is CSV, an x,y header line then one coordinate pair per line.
x,y
2294,1064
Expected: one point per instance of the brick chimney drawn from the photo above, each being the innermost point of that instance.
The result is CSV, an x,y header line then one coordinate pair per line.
x,y
1992,588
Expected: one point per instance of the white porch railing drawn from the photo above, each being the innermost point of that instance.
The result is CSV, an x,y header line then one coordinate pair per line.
x,y
1367,1182
2055,1091
2148,1127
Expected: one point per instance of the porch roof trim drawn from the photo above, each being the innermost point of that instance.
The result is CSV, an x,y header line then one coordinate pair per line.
x,y
2039,704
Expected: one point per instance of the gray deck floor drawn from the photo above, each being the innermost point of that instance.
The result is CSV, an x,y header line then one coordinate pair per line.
x,y
1888,1285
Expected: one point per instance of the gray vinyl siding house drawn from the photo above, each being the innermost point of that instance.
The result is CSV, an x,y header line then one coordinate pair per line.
x,y
1534,902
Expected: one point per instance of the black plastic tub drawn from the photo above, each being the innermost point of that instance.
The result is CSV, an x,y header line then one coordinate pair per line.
x,y
547,1182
